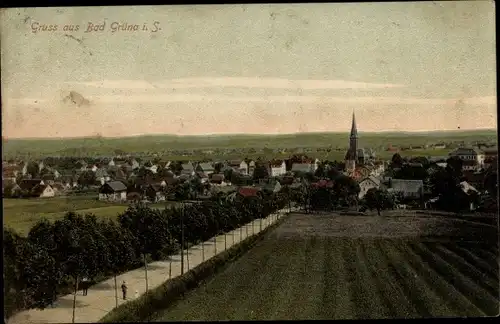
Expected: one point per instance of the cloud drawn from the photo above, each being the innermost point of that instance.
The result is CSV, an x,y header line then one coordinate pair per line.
x,y
165,98
225,82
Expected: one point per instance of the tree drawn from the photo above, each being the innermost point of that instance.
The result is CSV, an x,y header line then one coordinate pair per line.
x,y
32,169
491,182
320,171
378,199
87,178
218,167
444,184
150,229
396,161
37,268
228,173
260,171
14,285
411,172
42,235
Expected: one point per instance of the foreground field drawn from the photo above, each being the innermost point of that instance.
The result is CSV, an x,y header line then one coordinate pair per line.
x,y
22,214
342,267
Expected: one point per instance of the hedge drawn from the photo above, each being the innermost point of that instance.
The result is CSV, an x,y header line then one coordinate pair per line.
x,y
169,292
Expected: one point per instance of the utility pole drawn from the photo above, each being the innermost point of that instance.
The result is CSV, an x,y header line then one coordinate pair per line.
x,y
182,238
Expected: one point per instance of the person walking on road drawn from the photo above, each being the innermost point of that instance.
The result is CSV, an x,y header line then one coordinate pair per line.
x,y
124,290
85,284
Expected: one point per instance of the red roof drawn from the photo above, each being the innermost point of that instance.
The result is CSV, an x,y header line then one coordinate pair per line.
x,y
248,191
323,184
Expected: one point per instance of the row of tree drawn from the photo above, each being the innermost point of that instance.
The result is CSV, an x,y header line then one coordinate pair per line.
x,y
55,256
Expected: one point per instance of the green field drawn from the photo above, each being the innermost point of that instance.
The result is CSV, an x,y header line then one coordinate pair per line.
x,y
162,143
345,267
22,214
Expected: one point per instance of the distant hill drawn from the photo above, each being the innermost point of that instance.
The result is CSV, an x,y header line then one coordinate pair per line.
x,y
168,142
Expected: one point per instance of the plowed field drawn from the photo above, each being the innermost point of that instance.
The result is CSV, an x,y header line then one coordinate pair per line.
x,y
355,267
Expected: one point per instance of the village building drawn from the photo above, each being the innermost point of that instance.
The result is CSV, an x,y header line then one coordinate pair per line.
x,y
277,168
368,183
113,191
206,168
474,157
408,189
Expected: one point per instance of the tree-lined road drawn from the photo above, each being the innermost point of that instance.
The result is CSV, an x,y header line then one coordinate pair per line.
x,y
101,297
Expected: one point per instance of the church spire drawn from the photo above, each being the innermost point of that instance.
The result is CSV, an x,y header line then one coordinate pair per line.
x,y
354,129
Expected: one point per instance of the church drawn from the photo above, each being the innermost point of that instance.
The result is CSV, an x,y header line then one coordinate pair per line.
x,y
355,155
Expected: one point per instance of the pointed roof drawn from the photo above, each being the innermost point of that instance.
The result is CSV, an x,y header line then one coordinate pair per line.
x,y
354,129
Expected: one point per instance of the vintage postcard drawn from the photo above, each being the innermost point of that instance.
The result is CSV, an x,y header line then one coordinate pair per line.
x,y
249,162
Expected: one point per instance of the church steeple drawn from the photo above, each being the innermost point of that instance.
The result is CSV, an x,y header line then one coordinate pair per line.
x,y
352,151
354,129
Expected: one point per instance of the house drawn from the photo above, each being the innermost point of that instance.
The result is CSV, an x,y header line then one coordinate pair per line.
x,y
27,185
360,172
251,167
248,192
113,191
469,154
277,168
59,188
243,167
42,191
217,179
10,172
48,178
102,175
271,187
367,184
323,183
471,165
203,177
206,168
134,164
413,189
154,192
377,169
439,146
188,169
302,167
285,180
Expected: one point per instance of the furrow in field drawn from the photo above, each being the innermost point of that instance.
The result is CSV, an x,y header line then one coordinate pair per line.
x,y
218,298
424,298
393,294
464,285
459,303
483,280
476,261
302,296
266,295
337,301
375,297
367,305
488,255
487,250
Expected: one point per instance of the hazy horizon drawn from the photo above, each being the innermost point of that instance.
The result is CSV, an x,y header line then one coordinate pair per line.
x,y
250,69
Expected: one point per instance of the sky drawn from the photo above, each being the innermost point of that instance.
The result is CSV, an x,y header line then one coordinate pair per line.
x,y
256,68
